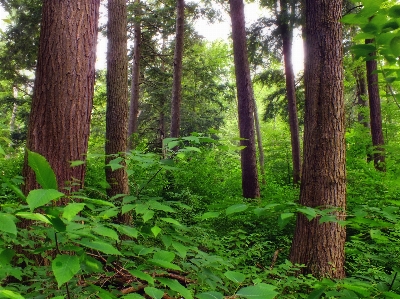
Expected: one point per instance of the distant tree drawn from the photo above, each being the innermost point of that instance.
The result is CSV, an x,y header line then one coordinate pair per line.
x,y
250,184
375,111
320,246
135,91
177,74
117,95
63,90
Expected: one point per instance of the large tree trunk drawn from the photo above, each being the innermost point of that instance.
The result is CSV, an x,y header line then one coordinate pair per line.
x,y
320,247
287,36
250,184
62,98
135,92
177,76
375,112
117,95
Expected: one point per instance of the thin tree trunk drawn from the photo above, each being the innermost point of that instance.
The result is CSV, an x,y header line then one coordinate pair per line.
x,y
362,94
117,97
287,35
320,246
375,112
135,91
250,184
63,93
177,75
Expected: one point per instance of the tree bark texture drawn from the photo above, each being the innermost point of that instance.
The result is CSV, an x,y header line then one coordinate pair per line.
x,y
135,91
320,247
375,112
63,91
177,75
287,36
117,95
250,184
361,94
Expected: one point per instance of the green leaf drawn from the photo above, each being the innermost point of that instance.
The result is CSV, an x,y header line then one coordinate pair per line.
x,y
164,264
76,163
16,190
180,248
172,221
147,215
132,296
210,295
155,205
259,291
33,216
2,151
176,286
209,215
10,294
100,246
391,295
143,276
310,213
154,293
114,163
92,265
317,293
284,219
155,230
395,46
72,209
57,223
65,267
99,202
44,173
394,11
164,255
40,197
377,236
129,231
6,256
106,232
236,209
141,250
236,277
7,224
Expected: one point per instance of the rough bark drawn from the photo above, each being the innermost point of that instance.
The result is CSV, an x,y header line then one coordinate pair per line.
x,y
287,36
320,247
361,95
375,112
117,95
63,91
135,91
250,184
177,75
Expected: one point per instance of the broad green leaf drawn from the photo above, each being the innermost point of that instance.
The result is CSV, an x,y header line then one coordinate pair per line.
x,y
76,163
2,151
91,265
391,295
173,144
155,230
58,297
115,163
236,277
132,296
172,221
106,232
141,250
259,291
99,202
65,267
155,205
101,293
44,173
192,149
127,208
7,224
176,286
6,256
16,190
10,294
310,213
143,276
395,46
165,264
236,209
358,289
40,197
328,218
100,246
317,293
394,11
33,216
164,255
57,223
72,209
129,231
377,236
209,215
210,295
180,248
147,215
167,240
154,293
284,219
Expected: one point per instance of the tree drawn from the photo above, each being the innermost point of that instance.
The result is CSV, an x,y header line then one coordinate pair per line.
x,y
177,75
375,110
63,90
135,92
320,246
286,32
117,95
250,184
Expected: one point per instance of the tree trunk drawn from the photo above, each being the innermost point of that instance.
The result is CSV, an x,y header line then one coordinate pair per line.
x,y
177,76
361,94
135,92
320,247
250,184
287,36
375,112
63,93
117,95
